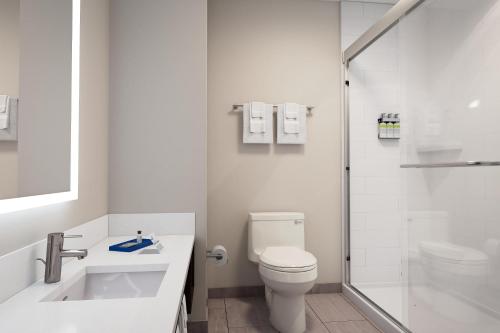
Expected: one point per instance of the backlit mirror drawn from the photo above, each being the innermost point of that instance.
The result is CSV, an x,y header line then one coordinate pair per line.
x,y
39,97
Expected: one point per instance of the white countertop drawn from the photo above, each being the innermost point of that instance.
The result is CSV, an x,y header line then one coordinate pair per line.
x,y
24,313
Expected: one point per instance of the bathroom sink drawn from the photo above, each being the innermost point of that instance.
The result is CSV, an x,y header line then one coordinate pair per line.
x,y
110,285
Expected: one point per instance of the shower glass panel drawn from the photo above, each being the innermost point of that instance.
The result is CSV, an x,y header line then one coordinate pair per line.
x,y
424,221
377,234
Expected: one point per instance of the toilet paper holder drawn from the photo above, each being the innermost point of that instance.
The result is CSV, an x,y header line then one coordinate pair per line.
x,y
217,256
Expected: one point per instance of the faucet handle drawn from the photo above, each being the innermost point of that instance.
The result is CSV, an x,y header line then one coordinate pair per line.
x,y
72,236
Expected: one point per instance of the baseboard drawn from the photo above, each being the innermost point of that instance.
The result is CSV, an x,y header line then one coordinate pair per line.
x,y
258,291
326,288
250,291
197,326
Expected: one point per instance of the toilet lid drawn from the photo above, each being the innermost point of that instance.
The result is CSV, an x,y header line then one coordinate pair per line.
x,y
453,253
287,257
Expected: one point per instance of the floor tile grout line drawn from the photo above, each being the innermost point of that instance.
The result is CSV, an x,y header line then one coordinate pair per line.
x,y
317,316
361,313
225,311
331,302
343,321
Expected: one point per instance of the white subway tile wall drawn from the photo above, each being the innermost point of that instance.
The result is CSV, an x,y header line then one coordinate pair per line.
x,y
375,185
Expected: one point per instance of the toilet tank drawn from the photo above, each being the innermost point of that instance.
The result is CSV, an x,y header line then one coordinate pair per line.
x,y
274,229
427,226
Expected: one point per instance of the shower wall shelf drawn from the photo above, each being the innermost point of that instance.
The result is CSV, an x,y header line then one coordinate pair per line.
x,y
466,164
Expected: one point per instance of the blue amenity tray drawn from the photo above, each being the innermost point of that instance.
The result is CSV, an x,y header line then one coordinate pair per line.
x,y
119,247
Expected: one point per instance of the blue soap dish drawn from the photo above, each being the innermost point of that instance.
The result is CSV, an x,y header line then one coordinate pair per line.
x,y
130,245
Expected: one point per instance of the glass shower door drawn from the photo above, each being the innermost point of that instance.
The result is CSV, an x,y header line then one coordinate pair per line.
x,y
377,235
424,209
450,68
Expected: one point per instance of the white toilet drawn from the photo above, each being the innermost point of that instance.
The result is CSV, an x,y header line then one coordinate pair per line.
x,y
443,263
276,244
448,264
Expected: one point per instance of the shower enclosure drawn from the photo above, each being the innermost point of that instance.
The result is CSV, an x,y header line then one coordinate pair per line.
x,y
422,205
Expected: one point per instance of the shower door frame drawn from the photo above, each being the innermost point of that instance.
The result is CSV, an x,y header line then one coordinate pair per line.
x,y
377,314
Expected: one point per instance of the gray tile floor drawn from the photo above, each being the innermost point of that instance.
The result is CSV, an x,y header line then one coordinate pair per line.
x,y
326,313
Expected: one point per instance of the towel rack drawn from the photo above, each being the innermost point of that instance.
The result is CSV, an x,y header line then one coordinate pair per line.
x,y
239,108
451,164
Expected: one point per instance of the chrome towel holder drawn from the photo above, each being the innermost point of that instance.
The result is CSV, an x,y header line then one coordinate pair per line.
x,y
466,164
239,108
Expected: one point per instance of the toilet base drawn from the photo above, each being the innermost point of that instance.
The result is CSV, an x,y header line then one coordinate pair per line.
x,y
288,313
285,294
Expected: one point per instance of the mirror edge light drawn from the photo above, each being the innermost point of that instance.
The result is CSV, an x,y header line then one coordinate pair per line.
x,y
24,203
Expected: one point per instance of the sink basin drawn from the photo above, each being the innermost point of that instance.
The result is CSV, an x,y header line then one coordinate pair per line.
x,y
110,285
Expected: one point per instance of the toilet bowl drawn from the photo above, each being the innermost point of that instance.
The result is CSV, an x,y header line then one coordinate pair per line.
x,y
454,259
453,266
288,273
276,244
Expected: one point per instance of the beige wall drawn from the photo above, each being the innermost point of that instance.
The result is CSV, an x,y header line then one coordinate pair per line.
x,y
274,51
158,115
22,228
9,85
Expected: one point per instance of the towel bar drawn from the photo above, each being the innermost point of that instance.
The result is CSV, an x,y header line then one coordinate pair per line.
x,y
239,108
451,164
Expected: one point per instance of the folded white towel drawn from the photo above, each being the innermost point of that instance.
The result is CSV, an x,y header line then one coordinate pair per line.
x,y
257,109
257,117
258,129
4,120
257,126
4,103
291,128
291,110
291,119
4,112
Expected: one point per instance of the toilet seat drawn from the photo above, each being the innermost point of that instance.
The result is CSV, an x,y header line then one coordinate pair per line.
x,y
287,259
278,276
455,259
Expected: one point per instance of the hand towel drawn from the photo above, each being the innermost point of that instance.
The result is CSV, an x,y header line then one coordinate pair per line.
x,y
4,103
291,110
257,109
257,123
4,112
257,117
291,128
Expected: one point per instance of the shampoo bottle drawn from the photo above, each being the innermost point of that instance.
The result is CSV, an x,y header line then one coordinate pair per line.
x,y
397,126
390,126
382,127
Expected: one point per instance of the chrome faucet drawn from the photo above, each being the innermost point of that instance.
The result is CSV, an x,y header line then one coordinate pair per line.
x,y
55,253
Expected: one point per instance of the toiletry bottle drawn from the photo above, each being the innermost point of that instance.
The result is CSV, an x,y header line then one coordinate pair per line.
x,y
397,126
390,126
382,127
139,237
